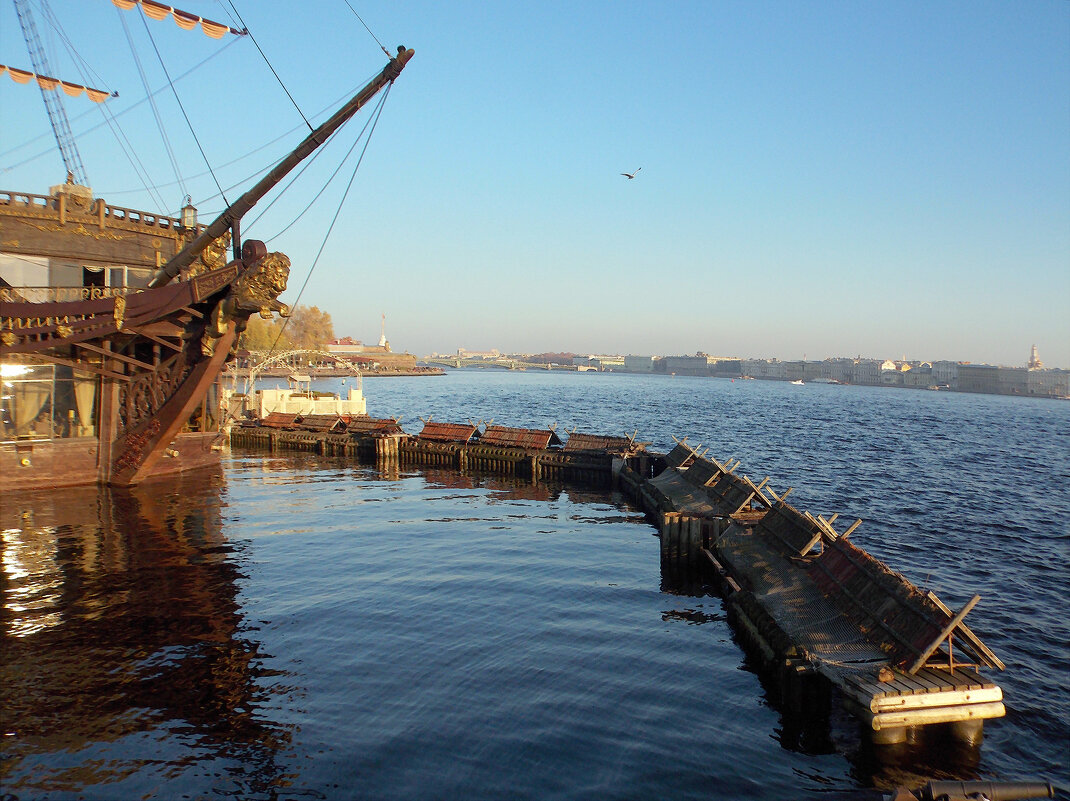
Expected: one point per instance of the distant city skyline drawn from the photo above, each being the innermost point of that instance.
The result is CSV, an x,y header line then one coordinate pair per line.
x,y
401,343
824,179
1026,362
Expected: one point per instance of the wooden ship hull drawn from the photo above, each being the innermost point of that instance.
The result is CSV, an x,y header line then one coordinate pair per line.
x,y
110,381
108,364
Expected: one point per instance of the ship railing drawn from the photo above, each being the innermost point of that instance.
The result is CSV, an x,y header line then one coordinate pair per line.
x,y
149,220
102,210
62,294
26,199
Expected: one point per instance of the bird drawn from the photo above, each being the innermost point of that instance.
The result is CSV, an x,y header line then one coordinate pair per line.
x,y
630,175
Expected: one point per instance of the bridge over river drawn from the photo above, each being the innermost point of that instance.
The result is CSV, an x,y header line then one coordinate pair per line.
x,y
498,364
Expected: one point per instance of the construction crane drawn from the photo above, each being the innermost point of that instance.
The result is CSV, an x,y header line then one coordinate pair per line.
x,y
57,115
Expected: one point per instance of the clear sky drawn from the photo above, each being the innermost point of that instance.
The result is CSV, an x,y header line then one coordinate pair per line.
x,y
818,179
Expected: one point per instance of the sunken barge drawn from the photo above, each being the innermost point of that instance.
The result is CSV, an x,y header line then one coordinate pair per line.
x,y
820,616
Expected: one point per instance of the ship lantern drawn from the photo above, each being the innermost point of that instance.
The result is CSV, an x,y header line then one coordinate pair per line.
x,y
189,214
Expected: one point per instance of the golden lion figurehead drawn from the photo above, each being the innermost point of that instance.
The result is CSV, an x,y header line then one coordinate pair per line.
x,y
259,287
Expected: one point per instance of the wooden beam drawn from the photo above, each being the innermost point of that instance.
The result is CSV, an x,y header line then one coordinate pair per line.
x,y
969,636
89,368
139,450
111,354
756,491
950,627
852,528
826,525
158,340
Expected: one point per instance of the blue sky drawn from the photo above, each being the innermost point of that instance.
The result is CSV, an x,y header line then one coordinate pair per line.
x,y
818,179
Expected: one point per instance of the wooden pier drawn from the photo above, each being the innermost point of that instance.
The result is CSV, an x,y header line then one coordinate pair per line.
x,y
819,613
821,616
524,453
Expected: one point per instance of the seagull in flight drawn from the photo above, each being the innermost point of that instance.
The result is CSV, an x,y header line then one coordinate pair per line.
x,y
630,175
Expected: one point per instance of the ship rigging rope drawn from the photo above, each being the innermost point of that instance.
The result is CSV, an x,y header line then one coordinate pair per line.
x,y
88,75
279,138
369,30
256,173
270,67
185,116
327,183
377,113
155,109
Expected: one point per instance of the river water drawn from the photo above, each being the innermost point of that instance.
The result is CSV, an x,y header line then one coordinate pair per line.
x,y
302,627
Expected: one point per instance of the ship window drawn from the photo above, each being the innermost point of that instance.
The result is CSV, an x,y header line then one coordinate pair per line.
x,y
62,273
132,277
23,270
138,278
26,401
46,402
94,276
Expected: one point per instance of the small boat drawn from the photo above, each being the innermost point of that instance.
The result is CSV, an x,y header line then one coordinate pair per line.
x,y
798,383
298,398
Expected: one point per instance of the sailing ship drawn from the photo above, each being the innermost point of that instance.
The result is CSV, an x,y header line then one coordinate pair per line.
x,y
117,322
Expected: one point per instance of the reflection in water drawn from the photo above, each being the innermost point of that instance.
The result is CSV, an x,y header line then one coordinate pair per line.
x,y
123,648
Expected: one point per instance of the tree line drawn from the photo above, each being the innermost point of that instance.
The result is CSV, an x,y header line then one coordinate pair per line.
x,y
307,328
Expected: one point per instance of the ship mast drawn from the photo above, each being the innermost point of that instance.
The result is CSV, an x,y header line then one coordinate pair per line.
x,y
57,115
233,213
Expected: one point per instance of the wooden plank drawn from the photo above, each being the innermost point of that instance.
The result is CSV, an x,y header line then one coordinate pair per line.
x,y
874,688
962,679
956,681
971,638
111,354
926,683
950,627
940,714
77,365
907,685
850,530
931,700
154,338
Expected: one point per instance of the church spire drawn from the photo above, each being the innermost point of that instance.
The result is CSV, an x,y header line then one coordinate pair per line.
x,y
382,336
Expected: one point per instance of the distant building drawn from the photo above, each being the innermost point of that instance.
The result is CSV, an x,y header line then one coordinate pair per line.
x,y
769,369
608,362
347,346
371,357
946,373
1012,380
919,376
464,353
978,378
639,364
865,371
1048,383
1034,360
687,365
726,368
